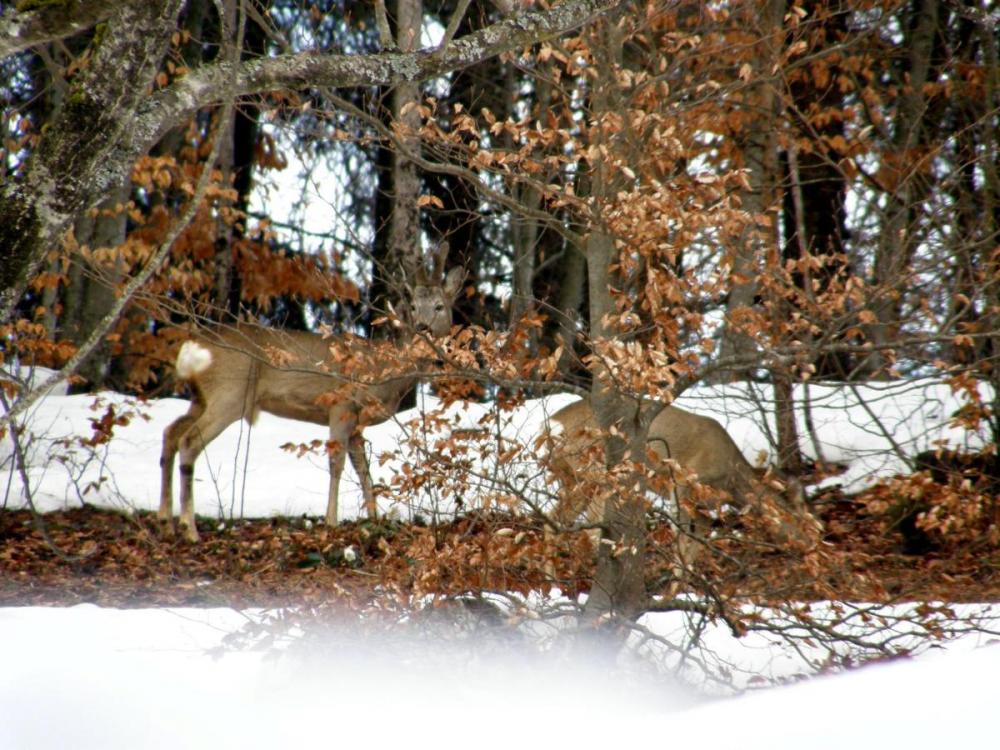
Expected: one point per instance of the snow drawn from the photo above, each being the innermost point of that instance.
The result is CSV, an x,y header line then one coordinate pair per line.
x,y
86,677
90,677
871,429
864,427
939,700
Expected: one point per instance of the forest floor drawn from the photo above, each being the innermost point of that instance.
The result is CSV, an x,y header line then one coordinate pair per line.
x,y
123,560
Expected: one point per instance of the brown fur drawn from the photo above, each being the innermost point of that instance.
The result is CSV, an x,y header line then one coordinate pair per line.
x,y
242,376
699,445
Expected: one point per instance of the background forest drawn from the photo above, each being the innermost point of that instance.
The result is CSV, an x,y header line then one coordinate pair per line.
x,y
646,197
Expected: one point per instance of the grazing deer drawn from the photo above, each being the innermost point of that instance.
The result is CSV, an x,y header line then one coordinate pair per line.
x,y
235,373
699,445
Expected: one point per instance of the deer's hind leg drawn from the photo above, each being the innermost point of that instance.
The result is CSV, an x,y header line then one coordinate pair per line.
x,y
171,439
217,416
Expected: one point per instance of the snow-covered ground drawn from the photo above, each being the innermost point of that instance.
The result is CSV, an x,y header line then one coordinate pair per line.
x,y
90,677
85,677
870,429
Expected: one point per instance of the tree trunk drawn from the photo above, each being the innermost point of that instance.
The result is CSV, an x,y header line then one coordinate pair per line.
x,y
90,291
814,213
905,187
525,231
761,155
237,165
790,459
618,591
380,291
77,160
569,304
989,259
404,225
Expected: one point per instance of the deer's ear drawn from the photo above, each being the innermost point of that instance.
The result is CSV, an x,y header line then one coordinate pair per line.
x,y
399,314
453,282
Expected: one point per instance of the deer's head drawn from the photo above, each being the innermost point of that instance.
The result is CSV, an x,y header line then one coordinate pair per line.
x,y
433,295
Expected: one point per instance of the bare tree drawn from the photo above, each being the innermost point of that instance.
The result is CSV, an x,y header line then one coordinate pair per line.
x,y
111,118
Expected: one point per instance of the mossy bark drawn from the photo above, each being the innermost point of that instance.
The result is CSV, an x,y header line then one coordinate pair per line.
x,y
111,118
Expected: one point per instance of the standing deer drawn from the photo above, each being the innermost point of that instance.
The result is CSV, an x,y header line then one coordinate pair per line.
x,y
235,373
699,445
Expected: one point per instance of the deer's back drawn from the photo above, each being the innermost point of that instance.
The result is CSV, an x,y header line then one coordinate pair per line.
x,y
278,371
292,374
242,344
702,445
698,443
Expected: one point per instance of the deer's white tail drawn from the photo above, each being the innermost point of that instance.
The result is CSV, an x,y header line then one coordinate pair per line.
x,y
192,360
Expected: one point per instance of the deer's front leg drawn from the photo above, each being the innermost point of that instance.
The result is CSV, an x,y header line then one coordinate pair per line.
x,y
340,435
693,530
359,459
336,455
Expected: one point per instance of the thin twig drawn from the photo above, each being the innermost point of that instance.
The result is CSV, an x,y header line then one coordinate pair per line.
x,y
453,23
21,465
382,22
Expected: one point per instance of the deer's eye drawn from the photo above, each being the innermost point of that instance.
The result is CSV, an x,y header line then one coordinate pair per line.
x,y
438,308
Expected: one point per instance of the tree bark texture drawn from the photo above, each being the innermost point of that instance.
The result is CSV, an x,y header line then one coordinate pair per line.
x,y
90,289
762,161
110,117
89,147
618,591
404,223
897,240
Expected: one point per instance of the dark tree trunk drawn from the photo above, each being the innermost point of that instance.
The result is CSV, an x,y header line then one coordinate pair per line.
x,y
380,291
90,291
813,211
242,161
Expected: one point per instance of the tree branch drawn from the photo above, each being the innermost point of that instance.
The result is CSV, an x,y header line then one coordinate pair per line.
x,y
20,30
210,83
382,23
125,294
507,200
456,19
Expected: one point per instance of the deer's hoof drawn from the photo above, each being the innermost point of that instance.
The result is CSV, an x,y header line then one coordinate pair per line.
x,y
190,532
166,526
